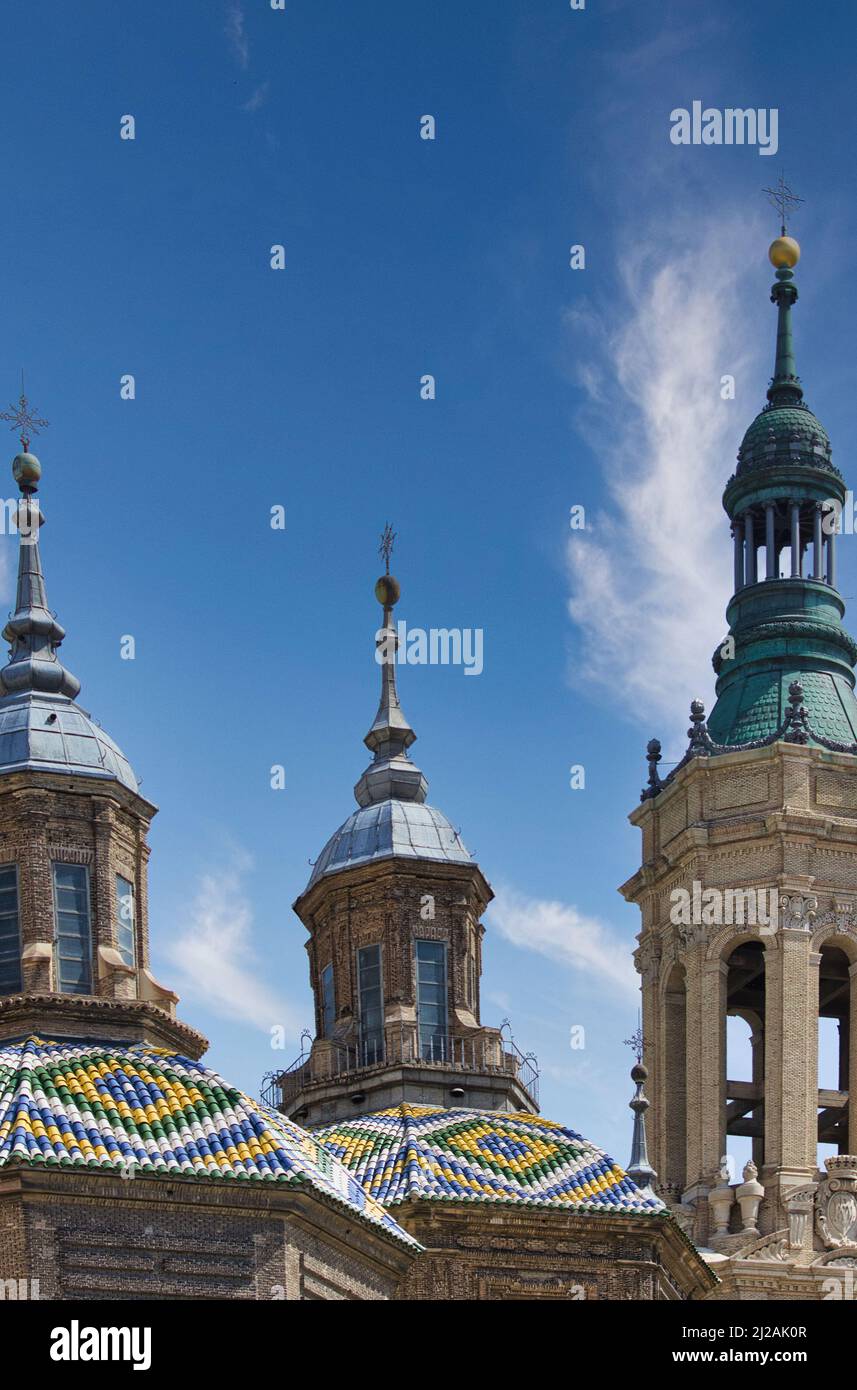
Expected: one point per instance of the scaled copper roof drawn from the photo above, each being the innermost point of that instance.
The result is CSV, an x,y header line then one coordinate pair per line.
x,y
141,1111
413,1152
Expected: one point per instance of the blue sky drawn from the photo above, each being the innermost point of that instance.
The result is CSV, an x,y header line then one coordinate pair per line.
x,y
555,387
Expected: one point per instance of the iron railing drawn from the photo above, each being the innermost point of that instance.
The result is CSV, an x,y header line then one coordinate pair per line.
x,y
495,1053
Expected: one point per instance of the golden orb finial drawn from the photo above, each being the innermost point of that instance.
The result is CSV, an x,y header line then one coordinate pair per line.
x,y
784,253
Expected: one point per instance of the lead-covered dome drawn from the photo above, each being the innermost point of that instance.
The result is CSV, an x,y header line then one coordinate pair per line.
x,y
402,829
56,735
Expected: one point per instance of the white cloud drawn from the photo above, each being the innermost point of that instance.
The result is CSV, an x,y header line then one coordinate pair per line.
x,y
258,97
557,930
214,954
650,579
236,34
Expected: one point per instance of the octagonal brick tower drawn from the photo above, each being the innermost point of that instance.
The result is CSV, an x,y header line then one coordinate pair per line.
x,y
74,946
393,909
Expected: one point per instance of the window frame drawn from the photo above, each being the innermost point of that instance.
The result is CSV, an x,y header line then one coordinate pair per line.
x,y
88,956
4,993
328,1008
443,1033
118,921
377,1035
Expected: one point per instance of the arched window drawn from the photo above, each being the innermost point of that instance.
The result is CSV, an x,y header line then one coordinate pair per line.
x,y
834,1047
745,1058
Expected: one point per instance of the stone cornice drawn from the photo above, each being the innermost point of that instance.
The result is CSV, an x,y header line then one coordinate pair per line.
x,y
73,1016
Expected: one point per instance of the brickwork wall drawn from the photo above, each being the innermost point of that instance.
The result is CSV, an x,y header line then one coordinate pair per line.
x,y
83,1243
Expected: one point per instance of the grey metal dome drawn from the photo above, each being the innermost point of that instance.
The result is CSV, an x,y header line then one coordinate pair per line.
x,y
387,829
53,734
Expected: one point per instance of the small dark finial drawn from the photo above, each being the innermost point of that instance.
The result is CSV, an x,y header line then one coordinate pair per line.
x,y
797,717
653,757
783,200
698,732
23,419
385,549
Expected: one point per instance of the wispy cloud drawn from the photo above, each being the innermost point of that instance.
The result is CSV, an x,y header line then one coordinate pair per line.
x,y
257,98
236,33
557,930
650,579
215,957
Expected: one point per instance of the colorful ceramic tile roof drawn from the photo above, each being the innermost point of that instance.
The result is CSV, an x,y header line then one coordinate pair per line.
x,y
481,1156
142,1111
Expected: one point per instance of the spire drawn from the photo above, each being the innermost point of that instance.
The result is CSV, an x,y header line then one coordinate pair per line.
x,y
391,775
32,630
785,387
784,253
639,1169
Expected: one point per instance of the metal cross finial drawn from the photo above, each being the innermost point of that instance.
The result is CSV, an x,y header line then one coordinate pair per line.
x,y
385,549
23,419
783,200
636,1041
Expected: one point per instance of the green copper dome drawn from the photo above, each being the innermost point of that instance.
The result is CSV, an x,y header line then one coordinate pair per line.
x,y
785,616
788,434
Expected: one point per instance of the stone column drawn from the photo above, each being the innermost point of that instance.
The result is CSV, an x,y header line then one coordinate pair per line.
x,y
750,568
738,541
791,1080
831,559
795,539
770,548
852,1058
817,558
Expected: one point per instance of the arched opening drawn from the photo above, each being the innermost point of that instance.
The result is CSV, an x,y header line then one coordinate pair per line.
x,y
675,1079
745,1052
834,1049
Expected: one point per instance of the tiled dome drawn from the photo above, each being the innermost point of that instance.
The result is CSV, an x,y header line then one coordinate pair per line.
x,y
413,1152
138,1110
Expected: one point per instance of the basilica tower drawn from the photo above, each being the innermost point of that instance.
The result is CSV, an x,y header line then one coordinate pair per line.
x,y
748,885
74,945
393,909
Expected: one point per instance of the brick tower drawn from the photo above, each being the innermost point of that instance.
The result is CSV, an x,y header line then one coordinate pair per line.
x,y
74,945
393,909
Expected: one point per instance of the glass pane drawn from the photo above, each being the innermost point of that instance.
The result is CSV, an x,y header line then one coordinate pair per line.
x,y
125,934
73,974
70,876
431,951
328,1004
71,948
